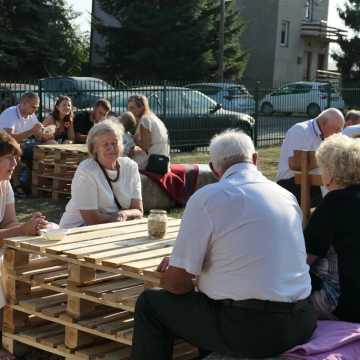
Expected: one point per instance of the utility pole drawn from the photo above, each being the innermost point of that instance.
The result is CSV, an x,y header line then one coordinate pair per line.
x,y
221,41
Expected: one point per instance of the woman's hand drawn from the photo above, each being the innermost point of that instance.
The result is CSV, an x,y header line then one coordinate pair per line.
x,y
122,216
33,227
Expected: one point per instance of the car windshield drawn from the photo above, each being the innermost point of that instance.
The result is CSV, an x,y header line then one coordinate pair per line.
x,y
198,102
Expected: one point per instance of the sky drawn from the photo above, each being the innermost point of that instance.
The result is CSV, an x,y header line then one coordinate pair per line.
x,y
84,7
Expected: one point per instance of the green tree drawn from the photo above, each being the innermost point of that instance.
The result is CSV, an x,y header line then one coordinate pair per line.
x,y
348,62
38,38
161,39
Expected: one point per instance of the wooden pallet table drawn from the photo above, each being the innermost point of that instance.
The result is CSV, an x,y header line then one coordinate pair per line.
x,y
76,297
54,167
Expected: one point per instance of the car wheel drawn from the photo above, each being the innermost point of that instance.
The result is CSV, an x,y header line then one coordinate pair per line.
x,y
313,110
267,108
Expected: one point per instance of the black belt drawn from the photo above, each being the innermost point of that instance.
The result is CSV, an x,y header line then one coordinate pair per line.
x,y
265,305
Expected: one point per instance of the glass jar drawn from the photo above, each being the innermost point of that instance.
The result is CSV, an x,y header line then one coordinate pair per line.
x,y
157,223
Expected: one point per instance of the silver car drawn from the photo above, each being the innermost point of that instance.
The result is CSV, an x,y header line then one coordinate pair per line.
x,y
231,96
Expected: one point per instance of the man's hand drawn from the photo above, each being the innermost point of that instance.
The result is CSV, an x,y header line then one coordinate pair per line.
x,y
164,265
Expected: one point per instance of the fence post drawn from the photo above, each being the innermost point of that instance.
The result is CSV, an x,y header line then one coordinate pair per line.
x,y
40,111
165,102
256,113
329,88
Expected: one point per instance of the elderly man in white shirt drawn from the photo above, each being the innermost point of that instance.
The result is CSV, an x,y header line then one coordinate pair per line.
x,y
306,135
242,240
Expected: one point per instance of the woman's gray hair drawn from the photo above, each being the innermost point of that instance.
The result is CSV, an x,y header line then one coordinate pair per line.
x,y
339,155
110,125
230,147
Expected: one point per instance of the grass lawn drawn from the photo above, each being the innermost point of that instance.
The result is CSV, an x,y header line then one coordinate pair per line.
x,y
268,160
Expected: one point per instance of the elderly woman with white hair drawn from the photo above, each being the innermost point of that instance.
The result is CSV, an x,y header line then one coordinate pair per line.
x,y
106,187
332,235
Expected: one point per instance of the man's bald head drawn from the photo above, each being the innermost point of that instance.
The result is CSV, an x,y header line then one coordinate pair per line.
x,y
331,121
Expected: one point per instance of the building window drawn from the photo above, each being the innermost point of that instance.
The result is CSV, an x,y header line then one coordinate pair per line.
x,y
309,7
284,36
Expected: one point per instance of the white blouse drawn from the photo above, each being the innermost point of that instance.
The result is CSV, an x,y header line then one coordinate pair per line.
x,y
6,198
91,191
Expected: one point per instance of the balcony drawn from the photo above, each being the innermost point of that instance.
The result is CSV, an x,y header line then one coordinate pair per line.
x,y
322,30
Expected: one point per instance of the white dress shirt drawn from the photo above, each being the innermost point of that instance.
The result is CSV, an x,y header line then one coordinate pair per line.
x,y
11,118
305,135
242,237
352,131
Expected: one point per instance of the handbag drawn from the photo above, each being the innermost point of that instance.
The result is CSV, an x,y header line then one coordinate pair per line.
x,y
158,164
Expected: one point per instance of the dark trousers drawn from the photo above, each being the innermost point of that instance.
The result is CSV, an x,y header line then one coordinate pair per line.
x,y
227,328
315,191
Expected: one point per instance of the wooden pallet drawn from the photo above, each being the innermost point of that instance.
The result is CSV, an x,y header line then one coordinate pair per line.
x,y
54,167
83,288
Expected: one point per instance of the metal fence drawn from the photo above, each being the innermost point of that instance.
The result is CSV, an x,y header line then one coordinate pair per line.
x,y
194,112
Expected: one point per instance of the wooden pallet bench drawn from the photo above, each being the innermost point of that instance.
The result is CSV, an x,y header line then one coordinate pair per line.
x,y
76,297
54,167
303,163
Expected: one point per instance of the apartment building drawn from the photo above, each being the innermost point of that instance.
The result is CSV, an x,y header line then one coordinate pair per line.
x,y
287,40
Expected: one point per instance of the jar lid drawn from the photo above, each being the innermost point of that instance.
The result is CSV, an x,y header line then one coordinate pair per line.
x,y
157,211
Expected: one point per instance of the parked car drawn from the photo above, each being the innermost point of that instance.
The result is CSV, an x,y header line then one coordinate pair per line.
x,y
10,94
191,117
232,96
84,91
303,97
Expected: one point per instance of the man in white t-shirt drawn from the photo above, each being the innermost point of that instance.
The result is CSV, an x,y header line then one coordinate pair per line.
x,y
20,121
352,123
22,124
242,240
306,135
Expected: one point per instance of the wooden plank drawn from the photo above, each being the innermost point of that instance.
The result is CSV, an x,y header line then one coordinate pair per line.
x,y
66,321
102,255
95,322
54,311
132,239
80,274
97,350
121,354
53,341
98,290
75,338
43,331
141,265
37,265
91,244
314,180
115,326
123,294
38,345
138,257
43,302
13,259
13,320
77,308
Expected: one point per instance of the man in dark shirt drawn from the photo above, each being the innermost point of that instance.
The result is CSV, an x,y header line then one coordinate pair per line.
x,y
84,120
